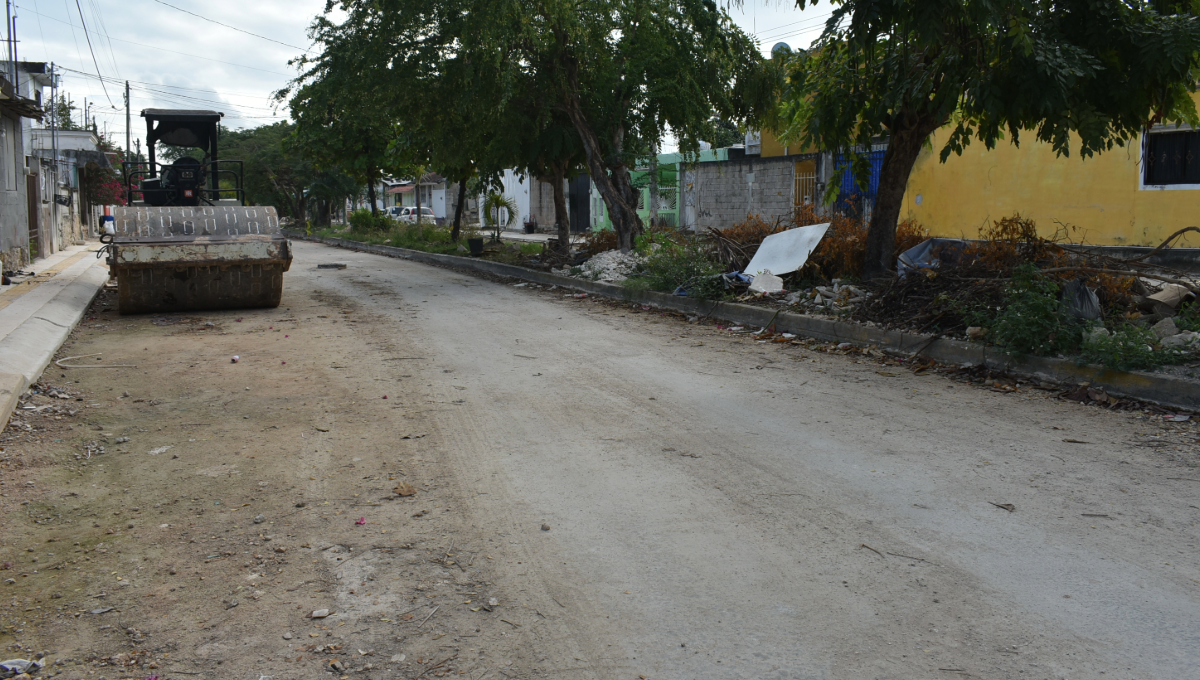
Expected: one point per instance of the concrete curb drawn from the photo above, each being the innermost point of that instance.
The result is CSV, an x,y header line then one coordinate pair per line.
x,y
27,350
12,386
1160,389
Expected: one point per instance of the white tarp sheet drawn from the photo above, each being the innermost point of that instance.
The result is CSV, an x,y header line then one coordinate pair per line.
x,y
786,251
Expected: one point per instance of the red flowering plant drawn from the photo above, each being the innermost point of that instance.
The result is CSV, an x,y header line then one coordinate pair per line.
x,y
103,186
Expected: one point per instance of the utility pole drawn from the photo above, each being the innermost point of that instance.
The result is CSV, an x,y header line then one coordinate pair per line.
x,y
54,144
128,148
8,23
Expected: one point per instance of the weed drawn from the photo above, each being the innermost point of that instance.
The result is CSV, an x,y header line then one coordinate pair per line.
x,y
1032,320
1129,348
1188,318
679,263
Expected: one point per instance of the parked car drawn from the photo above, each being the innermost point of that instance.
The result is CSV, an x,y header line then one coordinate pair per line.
x,y
409,214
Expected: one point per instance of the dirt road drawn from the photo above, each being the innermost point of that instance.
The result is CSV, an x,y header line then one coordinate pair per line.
x,y
638,495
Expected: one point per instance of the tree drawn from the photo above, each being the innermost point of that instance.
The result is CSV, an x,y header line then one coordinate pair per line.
x,y
340,119
102,186
626,71
60,113
1092,73
725,134
620,73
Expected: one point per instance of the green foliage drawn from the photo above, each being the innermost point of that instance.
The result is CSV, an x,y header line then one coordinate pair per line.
x,y
470,87
672,265
1129,348
381,230
363,222
1032,320
61,113
1188,318
1092,73
725,134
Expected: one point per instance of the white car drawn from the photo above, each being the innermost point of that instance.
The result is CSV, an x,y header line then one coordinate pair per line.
x,y
409,214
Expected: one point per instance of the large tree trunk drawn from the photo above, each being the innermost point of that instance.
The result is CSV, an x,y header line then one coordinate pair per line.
x,y
908,136
371,193
562,219
612,179
458,210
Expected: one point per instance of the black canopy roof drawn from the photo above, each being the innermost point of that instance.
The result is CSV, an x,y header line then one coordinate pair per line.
x,y
182,115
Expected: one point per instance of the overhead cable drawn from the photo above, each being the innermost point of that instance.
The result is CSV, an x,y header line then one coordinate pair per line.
x,y
239,30
93,51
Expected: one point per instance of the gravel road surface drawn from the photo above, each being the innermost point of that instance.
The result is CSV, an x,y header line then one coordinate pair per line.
x,y
645,497
712,500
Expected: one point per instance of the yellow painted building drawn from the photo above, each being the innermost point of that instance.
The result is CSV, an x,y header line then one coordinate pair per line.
x,y
1120,197
1114,198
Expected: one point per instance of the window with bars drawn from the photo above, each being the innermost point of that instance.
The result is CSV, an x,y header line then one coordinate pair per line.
x,y
1172,158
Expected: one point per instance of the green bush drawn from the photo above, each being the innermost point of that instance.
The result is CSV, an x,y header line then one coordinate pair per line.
x,y
1129,348
363,221
673,265
1032,320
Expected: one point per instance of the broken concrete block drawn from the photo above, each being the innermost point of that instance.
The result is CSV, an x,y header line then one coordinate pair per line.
x,y
1181,340
1165,328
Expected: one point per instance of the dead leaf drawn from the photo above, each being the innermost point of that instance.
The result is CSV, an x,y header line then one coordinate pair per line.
x,y
1075,441
405,489
1005,506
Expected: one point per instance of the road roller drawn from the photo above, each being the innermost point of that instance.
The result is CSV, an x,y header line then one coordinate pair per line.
x,y
186,240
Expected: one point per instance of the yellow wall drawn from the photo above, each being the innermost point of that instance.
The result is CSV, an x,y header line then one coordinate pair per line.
x,y
1099,196
770,145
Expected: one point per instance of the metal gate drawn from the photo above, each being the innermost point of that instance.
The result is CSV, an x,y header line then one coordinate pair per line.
x,y
579,195
853,198
805,191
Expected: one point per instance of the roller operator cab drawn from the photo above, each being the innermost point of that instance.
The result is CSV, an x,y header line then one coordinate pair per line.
x,y
186,240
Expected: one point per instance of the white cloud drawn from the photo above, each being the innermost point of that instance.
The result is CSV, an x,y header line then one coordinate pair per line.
x,y
172,59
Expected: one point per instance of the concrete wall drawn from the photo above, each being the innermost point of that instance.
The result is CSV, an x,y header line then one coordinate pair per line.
x,y
541,204
14,209
470,211
722,193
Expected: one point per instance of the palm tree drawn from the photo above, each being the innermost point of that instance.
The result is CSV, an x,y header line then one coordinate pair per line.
x,y
499,205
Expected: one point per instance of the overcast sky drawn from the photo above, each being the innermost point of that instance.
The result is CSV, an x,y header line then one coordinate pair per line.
x,y
175,60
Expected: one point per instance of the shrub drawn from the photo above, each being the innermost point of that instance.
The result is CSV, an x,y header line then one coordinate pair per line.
x,y
673,265
1032,320
363,221
1128,348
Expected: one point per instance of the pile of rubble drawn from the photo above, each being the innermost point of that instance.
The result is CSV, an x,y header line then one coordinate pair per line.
x,y
611,266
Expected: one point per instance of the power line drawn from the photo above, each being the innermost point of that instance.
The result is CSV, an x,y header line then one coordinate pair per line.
x,y
155,47
239,30
792,23
813,23
89,42
150,87
99,21
40,31
74,37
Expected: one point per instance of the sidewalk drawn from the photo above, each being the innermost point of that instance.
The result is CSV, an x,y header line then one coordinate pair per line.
x,y
38,312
